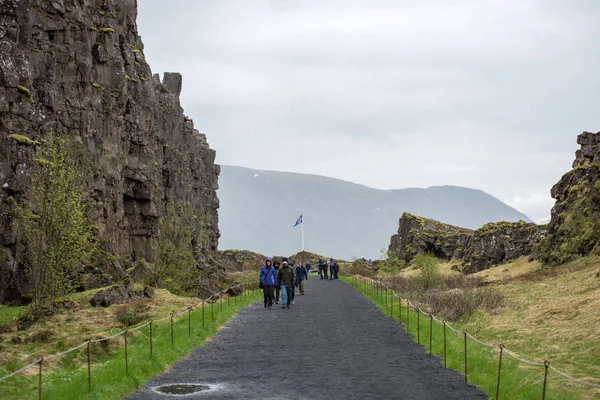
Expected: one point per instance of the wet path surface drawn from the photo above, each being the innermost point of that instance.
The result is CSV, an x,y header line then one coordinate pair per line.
x,y
332,344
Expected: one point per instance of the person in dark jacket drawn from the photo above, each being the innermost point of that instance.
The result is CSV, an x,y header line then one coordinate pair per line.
x,y
276,265
324,267
268,277
293,288
302,275
285,276
336,269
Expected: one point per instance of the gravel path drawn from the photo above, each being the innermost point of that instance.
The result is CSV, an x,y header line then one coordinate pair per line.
x,y
332,344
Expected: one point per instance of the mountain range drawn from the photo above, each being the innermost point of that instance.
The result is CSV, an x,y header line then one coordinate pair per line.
x,y
340,219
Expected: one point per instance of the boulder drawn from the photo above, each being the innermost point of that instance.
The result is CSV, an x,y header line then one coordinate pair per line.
x,y
118,294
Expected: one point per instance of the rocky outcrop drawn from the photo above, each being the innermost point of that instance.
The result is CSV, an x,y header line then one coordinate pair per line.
x,y
493,244
242,260
78,68
417,235
574,227
498,243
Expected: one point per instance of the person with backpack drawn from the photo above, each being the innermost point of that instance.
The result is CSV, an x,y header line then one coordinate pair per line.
x,y
268,280
302,275
285,277
276,265
292,290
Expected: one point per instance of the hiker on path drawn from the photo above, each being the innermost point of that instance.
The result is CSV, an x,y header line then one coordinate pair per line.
x,y
302,275
331,268
268,278
308,268
293,288
336,269
285,276
276,265
323,268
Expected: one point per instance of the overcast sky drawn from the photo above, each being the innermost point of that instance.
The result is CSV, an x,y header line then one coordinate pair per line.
x,y
390,94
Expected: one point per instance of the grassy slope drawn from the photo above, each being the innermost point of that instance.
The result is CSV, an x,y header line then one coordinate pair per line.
x,y
548,315
66,377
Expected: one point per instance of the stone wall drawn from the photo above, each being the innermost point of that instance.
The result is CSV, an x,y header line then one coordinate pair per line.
x,y
77,67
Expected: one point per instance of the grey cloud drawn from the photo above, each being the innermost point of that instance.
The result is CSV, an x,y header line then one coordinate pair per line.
x,y
389,93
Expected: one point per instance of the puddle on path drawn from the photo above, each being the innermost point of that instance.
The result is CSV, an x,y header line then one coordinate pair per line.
x,y
181,389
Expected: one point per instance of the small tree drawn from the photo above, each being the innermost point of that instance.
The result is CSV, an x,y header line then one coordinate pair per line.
x,y
174,258
390,263
53,226
429,272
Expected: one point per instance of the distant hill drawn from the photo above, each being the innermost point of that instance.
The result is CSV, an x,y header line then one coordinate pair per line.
x,y
341,219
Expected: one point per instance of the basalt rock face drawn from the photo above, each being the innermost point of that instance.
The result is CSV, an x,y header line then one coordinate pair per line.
x,y
77,67
494,243
498,243
574,227
417,235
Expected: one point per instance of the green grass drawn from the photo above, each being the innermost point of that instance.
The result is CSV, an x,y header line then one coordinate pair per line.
x,y
109,378
518,381
9,315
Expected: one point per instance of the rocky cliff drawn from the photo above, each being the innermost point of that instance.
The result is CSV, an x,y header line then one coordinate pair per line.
x,y
418,235
492,244
574,228
77,67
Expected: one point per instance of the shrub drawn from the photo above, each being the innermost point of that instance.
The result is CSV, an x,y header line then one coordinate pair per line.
x,y
455,304
429,272
390,263
53,227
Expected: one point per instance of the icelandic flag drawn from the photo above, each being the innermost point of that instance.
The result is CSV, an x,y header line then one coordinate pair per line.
x,y
298,221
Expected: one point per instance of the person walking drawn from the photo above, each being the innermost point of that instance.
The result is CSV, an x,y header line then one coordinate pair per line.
x,y
324,266
276,265
268,280
331,268
293,288
302,275
336,269
285,277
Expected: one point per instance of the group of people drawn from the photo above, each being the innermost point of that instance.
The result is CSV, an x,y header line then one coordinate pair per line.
x,y
282,278
333,267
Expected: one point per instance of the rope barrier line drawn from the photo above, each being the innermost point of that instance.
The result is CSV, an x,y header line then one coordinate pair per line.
x,y
513,355
594,385
480,342
20,370
50,357
510,353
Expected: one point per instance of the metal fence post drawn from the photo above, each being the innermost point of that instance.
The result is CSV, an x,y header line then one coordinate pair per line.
x,y
172,337
40,379
407,316
391,306
430,333
151,338
499,372
445,344
546,365
189,321
465,335
212,309
89,363
203,307
126,361
399,310
418,325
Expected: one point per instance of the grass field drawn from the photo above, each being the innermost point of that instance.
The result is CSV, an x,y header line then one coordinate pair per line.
x,y
548,315
66,377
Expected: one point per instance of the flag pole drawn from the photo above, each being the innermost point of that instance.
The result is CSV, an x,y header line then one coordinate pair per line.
x,y
303,231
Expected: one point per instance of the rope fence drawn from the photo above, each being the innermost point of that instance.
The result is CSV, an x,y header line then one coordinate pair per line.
x,y
372,288
247,286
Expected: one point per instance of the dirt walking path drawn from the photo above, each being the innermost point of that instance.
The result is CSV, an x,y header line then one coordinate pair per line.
x,y
332,344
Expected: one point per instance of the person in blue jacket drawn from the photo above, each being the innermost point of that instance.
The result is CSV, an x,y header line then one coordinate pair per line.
x,y
268,277
331,268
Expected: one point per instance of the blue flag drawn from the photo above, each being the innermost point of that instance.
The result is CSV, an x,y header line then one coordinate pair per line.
x,y
298,221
